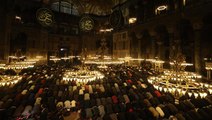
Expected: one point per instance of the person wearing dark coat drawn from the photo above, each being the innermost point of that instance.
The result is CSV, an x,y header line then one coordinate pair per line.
x,y
205,115
116,108
132,116
107,117
121,98
83,114
95,111
51,104
86,104
109,109
165,110
196,103
92,102
109,100
98,102
187,116
114,91
103,101
122,107
179,116
170,98
122,116
89,112
208,110
147,103
189,104
154,101
182,107
18,111
194,115
172,109
8,103
10,111
44,113
208,100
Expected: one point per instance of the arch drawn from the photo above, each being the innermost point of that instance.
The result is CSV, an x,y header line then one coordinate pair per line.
x,y
19,42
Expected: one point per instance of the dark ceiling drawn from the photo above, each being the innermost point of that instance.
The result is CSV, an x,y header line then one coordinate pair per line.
x,y
96,7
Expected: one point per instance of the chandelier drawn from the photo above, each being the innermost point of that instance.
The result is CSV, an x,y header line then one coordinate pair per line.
x,y
6,80
56,59
104,62
82,76
18,65
102,66
180,82
101,58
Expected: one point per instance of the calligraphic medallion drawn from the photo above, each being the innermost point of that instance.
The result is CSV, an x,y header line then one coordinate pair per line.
x,y
86,23
45,17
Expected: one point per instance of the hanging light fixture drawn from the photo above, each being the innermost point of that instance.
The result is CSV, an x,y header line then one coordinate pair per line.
x,y
179,82
161,8
82,76
7,80
132,20
185,83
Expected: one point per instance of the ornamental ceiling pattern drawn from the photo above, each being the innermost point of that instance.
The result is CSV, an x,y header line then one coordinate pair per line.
x,y
96,7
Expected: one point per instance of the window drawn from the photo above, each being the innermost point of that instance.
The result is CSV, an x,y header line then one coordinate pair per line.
x,y
65,7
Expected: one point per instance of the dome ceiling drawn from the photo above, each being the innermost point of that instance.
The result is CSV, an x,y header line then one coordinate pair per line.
x,y
96,7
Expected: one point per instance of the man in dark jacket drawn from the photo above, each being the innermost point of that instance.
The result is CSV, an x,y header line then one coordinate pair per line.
x,y
44,113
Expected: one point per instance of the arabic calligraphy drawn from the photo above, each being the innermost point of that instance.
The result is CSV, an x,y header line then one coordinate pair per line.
x,y
45,17
86,23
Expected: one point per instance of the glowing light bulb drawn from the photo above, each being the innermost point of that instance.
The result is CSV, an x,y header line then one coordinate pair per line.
x,y
195,95
189,94
183,91
165,89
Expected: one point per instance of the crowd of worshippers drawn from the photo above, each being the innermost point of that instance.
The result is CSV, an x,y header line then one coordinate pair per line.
x,y
124,94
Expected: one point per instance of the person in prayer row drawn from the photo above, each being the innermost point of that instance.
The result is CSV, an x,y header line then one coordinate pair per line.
x,y
124,94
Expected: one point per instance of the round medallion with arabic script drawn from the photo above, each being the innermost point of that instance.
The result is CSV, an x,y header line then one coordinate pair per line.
x,y
45,17
86,23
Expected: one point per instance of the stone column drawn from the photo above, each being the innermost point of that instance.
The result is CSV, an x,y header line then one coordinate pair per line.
x,y
197,53
5,30
160,50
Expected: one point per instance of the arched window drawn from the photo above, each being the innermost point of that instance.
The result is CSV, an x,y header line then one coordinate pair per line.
x,y
65,7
